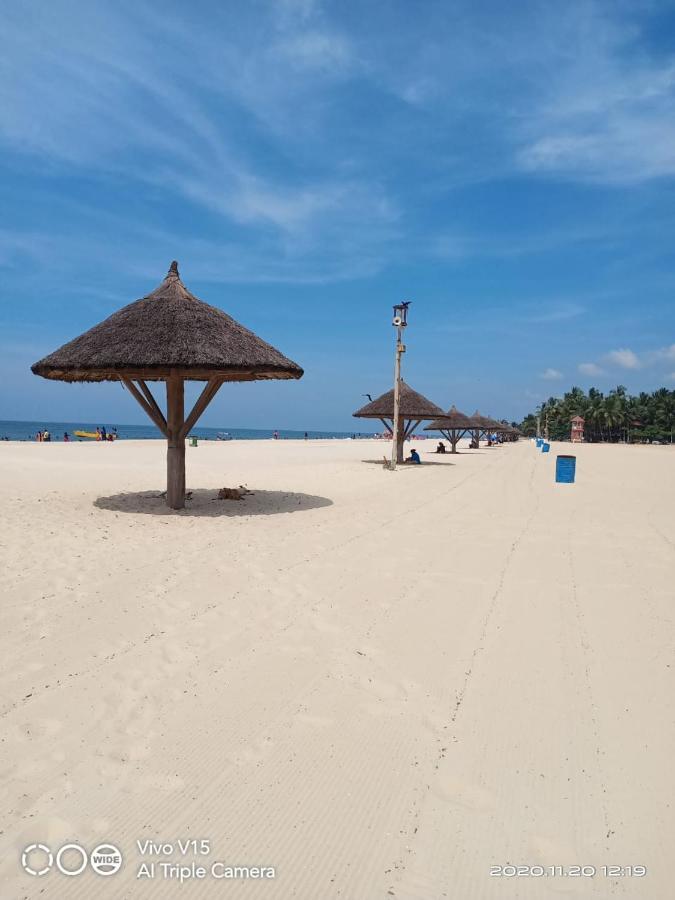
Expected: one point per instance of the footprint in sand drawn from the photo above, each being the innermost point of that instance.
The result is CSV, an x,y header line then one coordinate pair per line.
x,y
460,793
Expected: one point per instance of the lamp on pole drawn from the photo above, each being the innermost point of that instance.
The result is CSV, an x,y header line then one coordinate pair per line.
x,y
400,321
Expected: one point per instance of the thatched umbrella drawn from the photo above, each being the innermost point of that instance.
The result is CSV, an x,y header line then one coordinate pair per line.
x,y
482,425
414,408
500,428
453,425
491,426
170,336
504,428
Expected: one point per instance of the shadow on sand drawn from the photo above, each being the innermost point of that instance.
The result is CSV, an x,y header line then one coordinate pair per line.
x,y
204,502
464,452
423,464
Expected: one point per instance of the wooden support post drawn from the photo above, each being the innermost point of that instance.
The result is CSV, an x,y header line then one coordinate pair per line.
x,y
203,401
155,415
400,440
410,427
153,403
175,455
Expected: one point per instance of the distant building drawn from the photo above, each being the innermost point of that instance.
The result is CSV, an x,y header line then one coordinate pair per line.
x,y
577,430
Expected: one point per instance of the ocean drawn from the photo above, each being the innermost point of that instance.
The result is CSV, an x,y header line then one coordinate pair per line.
x,y
26,431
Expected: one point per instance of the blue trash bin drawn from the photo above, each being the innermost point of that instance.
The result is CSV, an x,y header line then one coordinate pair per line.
x,y
565,469
545,447
539,442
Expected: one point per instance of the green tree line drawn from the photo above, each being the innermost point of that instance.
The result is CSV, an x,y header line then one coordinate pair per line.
x,y
616,416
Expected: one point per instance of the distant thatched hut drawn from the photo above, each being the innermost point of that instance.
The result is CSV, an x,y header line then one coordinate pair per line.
x,y
453,425
414,408
169,335
488,426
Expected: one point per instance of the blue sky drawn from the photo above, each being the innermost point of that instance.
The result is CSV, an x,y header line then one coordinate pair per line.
x,y
510,168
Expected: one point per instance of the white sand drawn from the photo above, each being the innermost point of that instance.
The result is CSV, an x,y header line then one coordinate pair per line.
x,y
381,684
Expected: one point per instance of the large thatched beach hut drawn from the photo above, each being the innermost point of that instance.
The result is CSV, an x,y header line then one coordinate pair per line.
x,y
414,408
172,336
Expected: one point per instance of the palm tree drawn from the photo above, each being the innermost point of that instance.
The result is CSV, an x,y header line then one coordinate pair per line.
x,y
649,416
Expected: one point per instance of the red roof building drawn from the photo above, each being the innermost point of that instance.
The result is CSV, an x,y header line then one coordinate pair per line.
x,y
577,434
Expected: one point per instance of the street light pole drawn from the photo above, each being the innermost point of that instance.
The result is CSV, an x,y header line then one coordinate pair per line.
x,y
400,321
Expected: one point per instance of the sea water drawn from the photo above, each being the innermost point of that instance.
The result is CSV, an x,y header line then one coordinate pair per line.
x,y
26,431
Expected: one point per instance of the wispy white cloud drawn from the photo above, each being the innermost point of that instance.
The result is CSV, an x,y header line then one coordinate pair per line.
x,y
551,375
663,354
314,51
624,357
590,368
555,312
135,95
457,245
607,112
291,121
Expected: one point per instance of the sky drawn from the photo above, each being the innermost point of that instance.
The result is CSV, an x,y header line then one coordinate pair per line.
x,y
509,168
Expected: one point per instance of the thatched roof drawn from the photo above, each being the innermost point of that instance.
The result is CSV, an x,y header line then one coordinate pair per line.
x,y
452,420
412,406
170,329
482,421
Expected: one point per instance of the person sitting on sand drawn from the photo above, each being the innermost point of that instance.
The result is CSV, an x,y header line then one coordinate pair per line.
x,y
414,457
441,447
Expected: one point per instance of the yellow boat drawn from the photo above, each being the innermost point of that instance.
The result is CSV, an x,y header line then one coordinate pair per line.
x,y
92,435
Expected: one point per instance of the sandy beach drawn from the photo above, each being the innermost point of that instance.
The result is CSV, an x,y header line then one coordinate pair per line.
x,y
380,684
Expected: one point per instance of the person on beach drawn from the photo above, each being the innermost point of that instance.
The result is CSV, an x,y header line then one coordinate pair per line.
x,y
441,447
414,457
104,434
66,437
98,433
46,436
